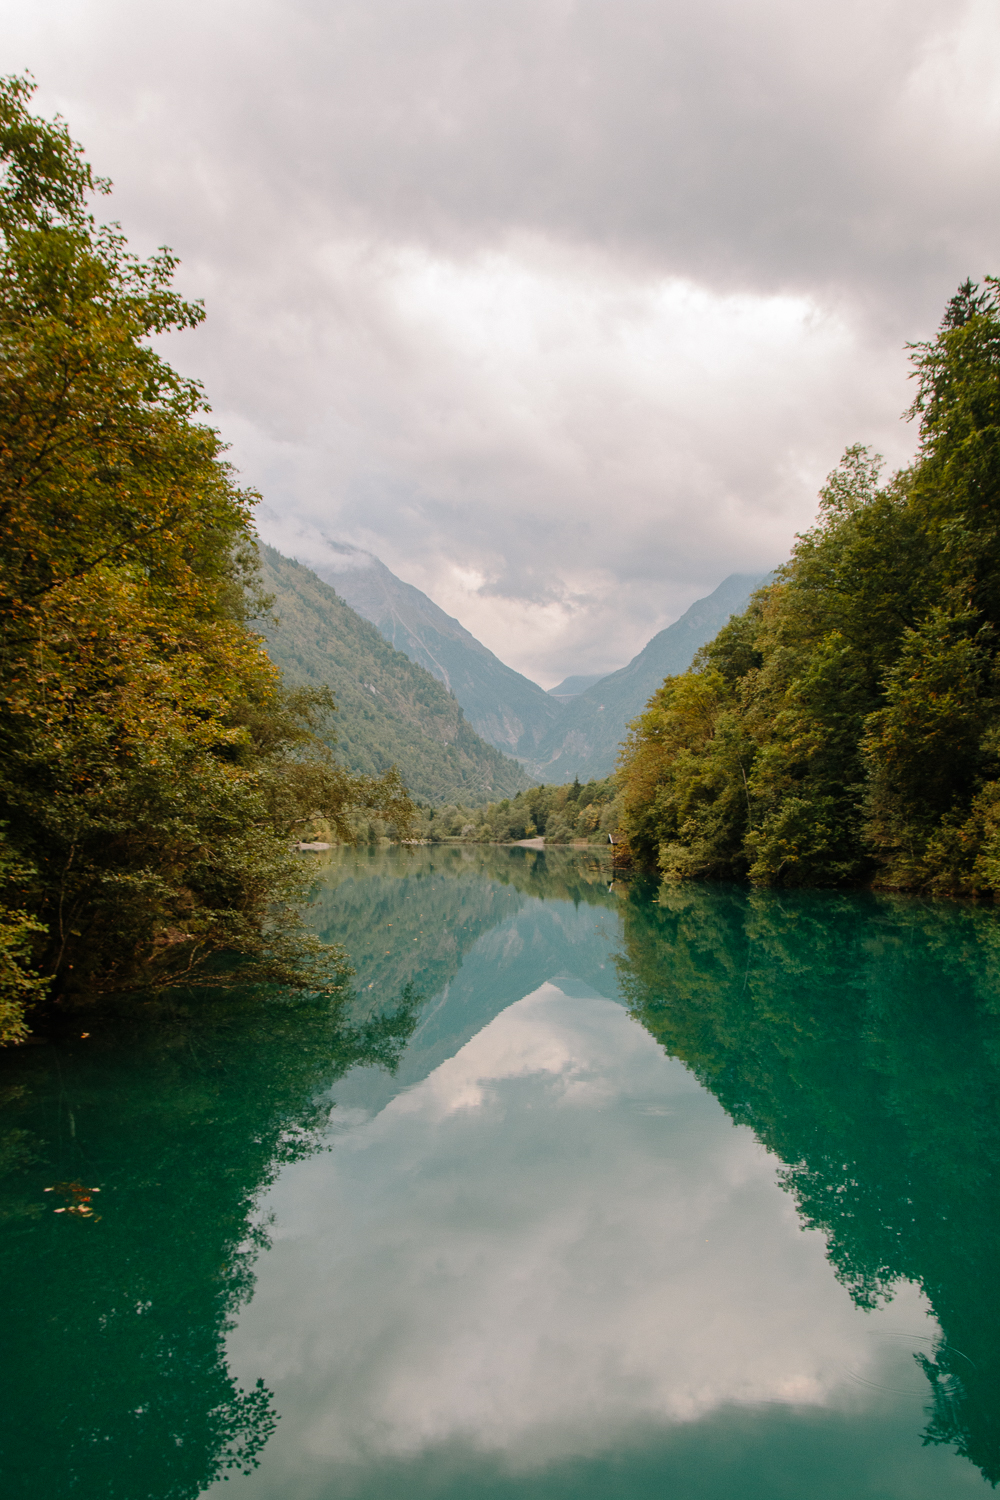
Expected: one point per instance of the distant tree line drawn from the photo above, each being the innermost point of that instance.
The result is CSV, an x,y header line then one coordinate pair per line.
x,y
560,814
152,769
846,727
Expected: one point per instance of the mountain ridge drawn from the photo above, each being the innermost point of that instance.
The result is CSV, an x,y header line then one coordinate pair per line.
x,y
572,687
577,728
506,709
593,723
390,709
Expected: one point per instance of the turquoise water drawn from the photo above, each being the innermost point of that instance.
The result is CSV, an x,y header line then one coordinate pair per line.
x,y
597,1191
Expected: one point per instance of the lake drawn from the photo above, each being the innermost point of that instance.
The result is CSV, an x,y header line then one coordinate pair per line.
x,y
594,1189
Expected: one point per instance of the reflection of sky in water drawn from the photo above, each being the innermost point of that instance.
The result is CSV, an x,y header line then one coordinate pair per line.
x,y
554,1240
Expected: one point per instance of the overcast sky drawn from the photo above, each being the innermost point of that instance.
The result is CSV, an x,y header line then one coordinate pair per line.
x,y
564,308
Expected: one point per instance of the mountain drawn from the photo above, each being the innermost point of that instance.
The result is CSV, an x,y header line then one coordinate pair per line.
x,y
391,711
508,710
572,687
574,730
593,724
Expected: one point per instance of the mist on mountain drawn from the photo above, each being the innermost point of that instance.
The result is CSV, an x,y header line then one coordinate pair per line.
x,y
507,710
575,729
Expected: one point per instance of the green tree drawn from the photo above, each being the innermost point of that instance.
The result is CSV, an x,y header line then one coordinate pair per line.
x,y
152,770
850,721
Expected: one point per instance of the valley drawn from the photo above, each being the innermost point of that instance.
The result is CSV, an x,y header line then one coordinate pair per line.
x,y
574,731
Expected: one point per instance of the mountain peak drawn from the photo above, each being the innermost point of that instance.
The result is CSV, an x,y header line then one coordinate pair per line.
x,y
506,709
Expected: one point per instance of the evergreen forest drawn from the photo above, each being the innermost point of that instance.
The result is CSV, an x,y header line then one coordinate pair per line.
x,y
845,728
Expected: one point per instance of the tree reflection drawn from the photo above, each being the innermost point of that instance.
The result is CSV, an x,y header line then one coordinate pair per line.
x,y
859,1037
410,915
182,1115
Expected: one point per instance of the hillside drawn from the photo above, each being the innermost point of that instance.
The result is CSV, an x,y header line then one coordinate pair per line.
x,y
506,709
391,711
572,687
585,740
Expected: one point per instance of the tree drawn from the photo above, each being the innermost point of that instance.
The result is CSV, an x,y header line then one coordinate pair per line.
x,y
152,769
853,726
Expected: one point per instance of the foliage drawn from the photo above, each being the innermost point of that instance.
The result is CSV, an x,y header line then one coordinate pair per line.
x,y
152,770
391,711
19,986
560,814
846,727
585,738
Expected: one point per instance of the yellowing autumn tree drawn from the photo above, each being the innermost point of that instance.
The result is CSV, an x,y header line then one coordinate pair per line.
x,y
152,769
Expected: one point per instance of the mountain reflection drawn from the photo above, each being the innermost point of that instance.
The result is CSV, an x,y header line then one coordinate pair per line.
x,y
859,1037
413,912
114,1334
180,1116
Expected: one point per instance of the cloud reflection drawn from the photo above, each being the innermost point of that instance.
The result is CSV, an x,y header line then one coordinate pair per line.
x,y
554,1237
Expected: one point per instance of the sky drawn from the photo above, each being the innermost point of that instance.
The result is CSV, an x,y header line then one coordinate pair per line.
x,y
563,308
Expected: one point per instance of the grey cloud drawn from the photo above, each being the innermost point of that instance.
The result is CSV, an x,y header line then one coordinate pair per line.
x,y
554,164
766,145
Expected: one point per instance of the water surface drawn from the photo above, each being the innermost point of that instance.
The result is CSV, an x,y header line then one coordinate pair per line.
x,y
652,1191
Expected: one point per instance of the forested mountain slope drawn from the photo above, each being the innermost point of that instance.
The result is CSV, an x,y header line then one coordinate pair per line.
x,y
586,739
390,710
508,710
